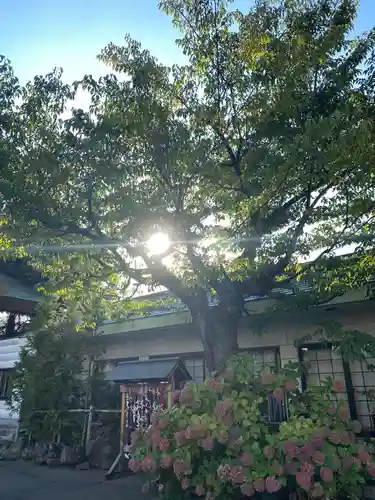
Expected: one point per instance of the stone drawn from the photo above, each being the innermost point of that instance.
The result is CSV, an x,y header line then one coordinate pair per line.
x,y
53,462
54,449
71,455
53,452
103,453
13,452
83,466
41,453
28,453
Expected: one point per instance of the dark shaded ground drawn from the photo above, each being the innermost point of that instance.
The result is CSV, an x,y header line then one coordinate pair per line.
x,y
25,481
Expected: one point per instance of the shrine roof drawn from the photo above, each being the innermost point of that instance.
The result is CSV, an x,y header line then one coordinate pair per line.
x,y
148,370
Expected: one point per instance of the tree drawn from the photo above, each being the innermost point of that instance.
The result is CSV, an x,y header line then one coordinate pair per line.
x,y
48,382
255,153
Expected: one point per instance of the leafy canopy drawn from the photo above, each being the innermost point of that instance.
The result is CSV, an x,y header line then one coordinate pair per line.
x,y
254,153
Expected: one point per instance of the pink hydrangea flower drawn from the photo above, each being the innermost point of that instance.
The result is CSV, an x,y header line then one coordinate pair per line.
x,y
317,441
147,464
290,385
155,437
184,483
344,414
364,456
290,448
134,465
307,468
215,385
224,472
268,378
317,491
207,444
259,485
163,444
180,438
326,474
189,433
163,423
223,437
247,489
235,444
318,457
334,437
303,480
278,394
246,459
370,468
272,485
223,411
237,475
345,438
166,461
307,450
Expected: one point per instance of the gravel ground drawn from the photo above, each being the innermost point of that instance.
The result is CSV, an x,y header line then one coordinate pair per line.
x,y
26,481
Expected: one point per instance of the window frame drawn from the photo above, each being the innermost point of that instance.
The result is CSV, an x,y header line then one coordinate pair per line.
x,y
275,349
7,372
350,389
272,403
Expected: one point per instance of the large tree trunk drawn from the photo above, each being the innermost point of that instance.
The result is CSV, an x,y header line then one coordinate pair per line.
x,y
218,327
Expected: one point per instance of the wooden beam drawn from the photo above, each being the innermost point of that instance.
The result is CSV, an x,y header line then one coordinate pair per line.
x,y
123,420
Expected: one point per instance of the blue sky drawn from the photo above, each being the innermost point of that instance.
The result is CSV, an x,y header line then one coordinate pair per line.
x,y
39,34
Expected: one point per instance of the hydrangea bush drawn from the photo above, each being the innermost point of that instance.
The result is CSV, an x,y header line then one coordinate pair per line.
x,y
218,442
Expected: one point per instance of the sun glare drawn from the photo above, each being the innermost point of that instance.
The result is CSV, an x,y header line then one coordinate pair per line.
x,y
158,243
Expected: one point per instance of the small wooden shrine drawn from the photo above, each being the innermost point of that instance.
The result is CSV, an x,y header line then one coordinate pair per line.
x,y
145,386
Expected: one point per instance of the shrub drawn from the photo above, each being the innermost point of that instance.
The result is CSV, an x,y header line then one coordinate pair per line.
x,y
219,444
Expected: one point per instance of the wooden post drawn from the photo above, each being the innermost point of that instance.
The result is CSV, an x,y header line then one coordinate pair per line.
x,y
123,416
170,396
89,426
120,456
